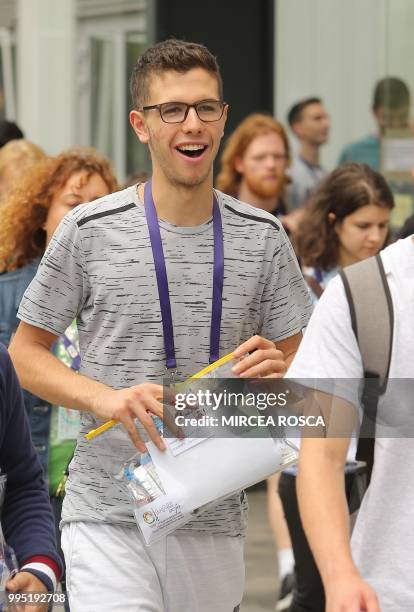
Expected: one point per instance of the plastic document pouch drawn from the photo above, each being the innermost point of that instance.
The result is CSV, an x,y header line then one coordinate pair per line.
x,y
155,511
204,474
166,492
8,561
168,488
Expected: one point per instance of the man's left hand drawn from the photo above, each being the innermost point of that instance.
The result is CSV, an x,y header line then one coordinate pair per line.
x,y
265,360
25,582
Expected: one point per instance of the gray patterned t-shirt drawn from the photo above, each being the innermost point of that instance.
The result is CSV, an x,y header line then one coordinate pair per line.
x,y
99,269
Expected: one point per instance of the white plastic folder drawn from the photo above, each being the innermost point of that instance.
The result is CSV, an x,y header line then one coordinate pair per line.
x,y
195,473
207,472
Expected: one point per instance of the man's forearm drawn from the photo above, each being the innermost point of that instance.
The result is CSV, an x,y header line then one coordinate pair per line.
x,y
41,373
324,513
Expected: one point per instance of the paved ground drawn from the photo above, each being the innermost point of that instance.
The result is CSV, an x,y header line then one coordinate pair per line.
x,y
260,556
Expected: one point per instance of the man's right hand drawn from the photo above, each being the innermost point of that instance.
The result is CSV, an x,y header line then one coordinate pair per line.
x,y
31,355
351,594
125,405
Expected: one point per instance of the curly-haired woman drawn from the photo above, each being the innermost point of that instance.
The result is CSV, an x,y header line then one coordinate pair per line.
x,y
28,219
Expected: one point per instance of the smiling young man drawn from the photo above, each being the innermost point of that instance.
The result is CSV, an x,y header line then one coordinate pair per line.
x,y
165,276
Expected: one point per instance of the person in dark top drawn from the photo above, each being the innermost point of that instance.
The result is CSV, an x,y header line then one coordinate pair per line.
x,y
254,164
26,515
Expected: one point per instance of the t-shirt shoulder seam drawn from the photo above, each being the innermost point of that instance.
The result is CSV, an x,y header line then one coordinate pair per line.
x,y
239,205
253,217
105,213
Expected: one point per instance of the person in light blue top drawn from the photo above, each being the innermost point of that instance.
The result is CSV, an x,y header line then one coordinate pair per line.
x,y
366,150
347,220
391,107
310,123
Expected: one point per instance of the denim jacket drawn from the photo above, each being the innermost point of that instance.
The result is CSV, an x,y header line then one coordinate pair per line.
x,y
12,287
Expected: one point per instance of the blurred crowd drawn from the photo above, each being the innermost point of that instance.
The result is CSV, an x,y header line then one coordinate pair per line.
x,y
333,219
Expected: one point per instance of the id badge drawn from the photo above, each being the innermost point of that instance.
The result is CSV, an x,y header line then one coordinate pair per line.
x,y
68,424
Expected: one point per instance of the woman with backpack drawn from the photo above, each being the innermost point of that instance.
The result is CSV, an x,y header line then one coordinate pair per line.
x,y
346,221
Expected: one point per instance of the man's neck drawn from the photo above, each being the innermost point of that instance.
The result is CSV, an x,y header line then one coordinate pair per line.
x,y
310,153
247,195
180,205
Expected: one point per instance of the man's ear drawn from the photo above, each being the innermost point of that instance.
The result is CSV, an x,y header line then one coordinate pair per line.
x,y
296,129
139,125
225,113
239,164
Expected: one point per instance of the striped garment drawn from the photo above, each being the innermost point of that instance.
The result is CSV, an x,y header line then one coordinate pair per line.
x,y
99,268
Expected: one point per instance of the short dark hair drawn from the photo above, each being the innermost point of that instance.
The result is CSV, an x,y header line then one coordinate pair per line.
x,y
9,130
171,54
342,192
295,113
391,92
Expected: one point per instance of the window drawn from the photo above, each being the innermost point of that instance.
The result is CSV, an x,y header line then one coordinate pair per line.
x,y
108,49
7,76
137,154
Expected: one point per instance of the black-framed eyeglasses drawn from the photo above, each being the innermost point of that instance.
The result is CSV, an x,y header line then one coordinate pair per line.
x,y
176,112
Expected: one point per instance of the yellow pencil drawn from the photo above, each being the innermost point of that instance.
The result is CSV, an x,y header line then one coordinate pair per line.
x,y
213,366
96,432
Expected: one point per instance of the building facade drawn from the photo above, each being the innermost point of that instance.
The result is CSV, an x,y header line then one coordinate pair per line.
x,y
64,66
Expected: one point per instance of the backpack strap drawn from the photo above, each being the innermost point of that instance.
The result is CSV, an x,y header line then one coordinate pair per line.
x,y
372,318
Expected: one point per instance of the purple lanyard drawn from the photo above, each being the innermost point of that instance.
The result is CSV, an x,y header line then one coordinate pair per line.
x,y
162,280
318,275
72,351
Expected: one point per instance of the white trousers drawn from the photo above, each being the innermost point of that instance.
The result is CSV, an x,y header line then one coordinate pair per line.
x,y
109,569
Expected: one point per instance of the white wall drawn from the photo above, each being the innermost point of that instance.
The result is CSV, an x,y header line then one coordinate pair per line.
x,y
45,72
337,49
400,39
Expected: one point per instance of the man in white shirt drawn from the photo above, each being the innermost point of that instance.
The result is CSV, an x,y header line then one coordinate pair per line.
x,y
371,573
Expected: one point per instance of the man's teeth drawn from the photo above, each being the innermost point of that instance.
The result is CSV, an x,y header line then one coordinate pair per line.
x,y
192,147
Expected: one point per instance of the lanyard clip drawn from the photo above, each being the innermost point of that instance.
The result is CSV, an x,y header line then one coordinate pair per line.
x,y
171,375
